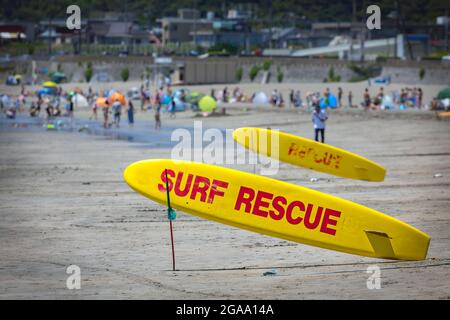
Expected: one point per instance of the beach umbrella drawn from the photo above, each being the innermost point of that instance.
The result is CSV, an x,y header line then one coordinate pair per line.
x,y
178,94
117,96
46,91
6,100
49,84
166,100
443,94
260,98
102,102
179,105
446,102
388,103
332,102
58,76
207,104
79,101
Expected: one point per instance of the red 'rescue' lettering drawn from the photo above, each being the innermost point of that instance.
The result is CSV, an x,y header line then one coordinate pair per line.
x,y
245,196
278,215
289,210
193,186
308,223
259,203
328,221
265,204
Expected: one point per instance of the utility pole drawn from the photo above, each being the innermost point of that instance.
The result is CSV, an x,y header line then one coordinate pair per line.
x,y
270,23
195,25
50,31
352,30
363,34
402,27
446,29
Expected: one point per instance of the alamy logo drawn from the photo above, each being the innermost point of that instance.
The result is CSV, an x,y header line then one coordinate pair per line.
x,y
374,21
374,280
74,280
74,20
220,148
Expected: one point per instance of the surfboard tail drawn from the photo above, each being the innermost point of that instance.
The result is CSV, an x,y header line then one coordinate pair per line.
x,y
399,248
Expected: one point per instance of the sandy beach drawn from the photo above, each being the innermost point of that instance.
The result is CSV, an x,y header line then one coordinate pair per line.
x,y
63,201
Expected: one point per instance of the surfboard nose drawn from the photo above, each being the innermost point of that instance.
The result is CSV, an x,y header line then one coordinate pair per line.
x,y
138,174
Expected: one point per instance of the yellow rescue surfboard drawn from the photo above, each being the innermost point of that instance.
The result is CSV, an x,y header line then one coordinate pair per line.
x,y
276,208
309,154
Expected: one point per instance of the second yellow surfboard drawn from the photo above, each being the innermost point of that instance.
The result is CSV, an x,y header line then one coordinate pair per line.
x,y
309,154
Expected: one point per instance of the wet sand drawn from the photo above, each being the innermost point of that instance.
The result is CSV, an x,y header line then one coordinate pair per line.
x,y
63,201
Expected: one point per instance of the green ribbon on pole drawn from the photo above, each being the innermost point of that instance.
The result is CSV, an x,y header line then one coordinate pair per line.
x,y
171,214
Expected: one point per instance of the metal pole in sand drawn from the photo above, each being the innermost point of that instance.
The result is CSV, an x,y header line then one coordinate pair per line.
x,y
171,216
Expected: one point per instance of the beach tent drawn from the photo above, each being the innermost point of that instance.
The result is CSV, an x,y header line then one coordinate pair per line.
x,y
179,105
388,103
79,100
207,104
101,102
6,101
117,96
443,94
261,98
47,91
179,93
58,77
332,102
446,102
166,100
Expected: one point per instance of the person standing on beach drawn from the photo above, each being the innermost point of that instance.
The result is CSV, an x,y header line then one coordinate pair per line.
x,y
366,99
291,98
319,116
143,98
419,98
94,111
117,109
340,93
350,99
71,109
130,113
172,108
105,115
158,118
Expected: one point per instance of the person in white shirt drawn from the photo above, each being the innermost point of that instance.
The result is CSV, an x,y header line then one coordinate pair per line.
x,y
319,117
117,109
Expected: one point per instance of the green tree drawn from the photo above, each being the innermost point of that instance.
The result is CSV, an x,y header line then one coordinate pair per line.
x,y
422,73
280,75
239,74
125,74
254,70
266,65
89,72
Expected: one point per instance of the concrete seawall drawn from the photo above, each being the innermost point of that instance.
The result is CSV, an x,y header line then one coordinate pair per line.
x,y
224,69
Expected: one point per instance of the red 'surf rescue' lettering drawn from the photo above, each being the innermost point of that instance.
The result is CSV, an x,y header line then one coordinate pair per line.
x,y
264,204
196,187
257,202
